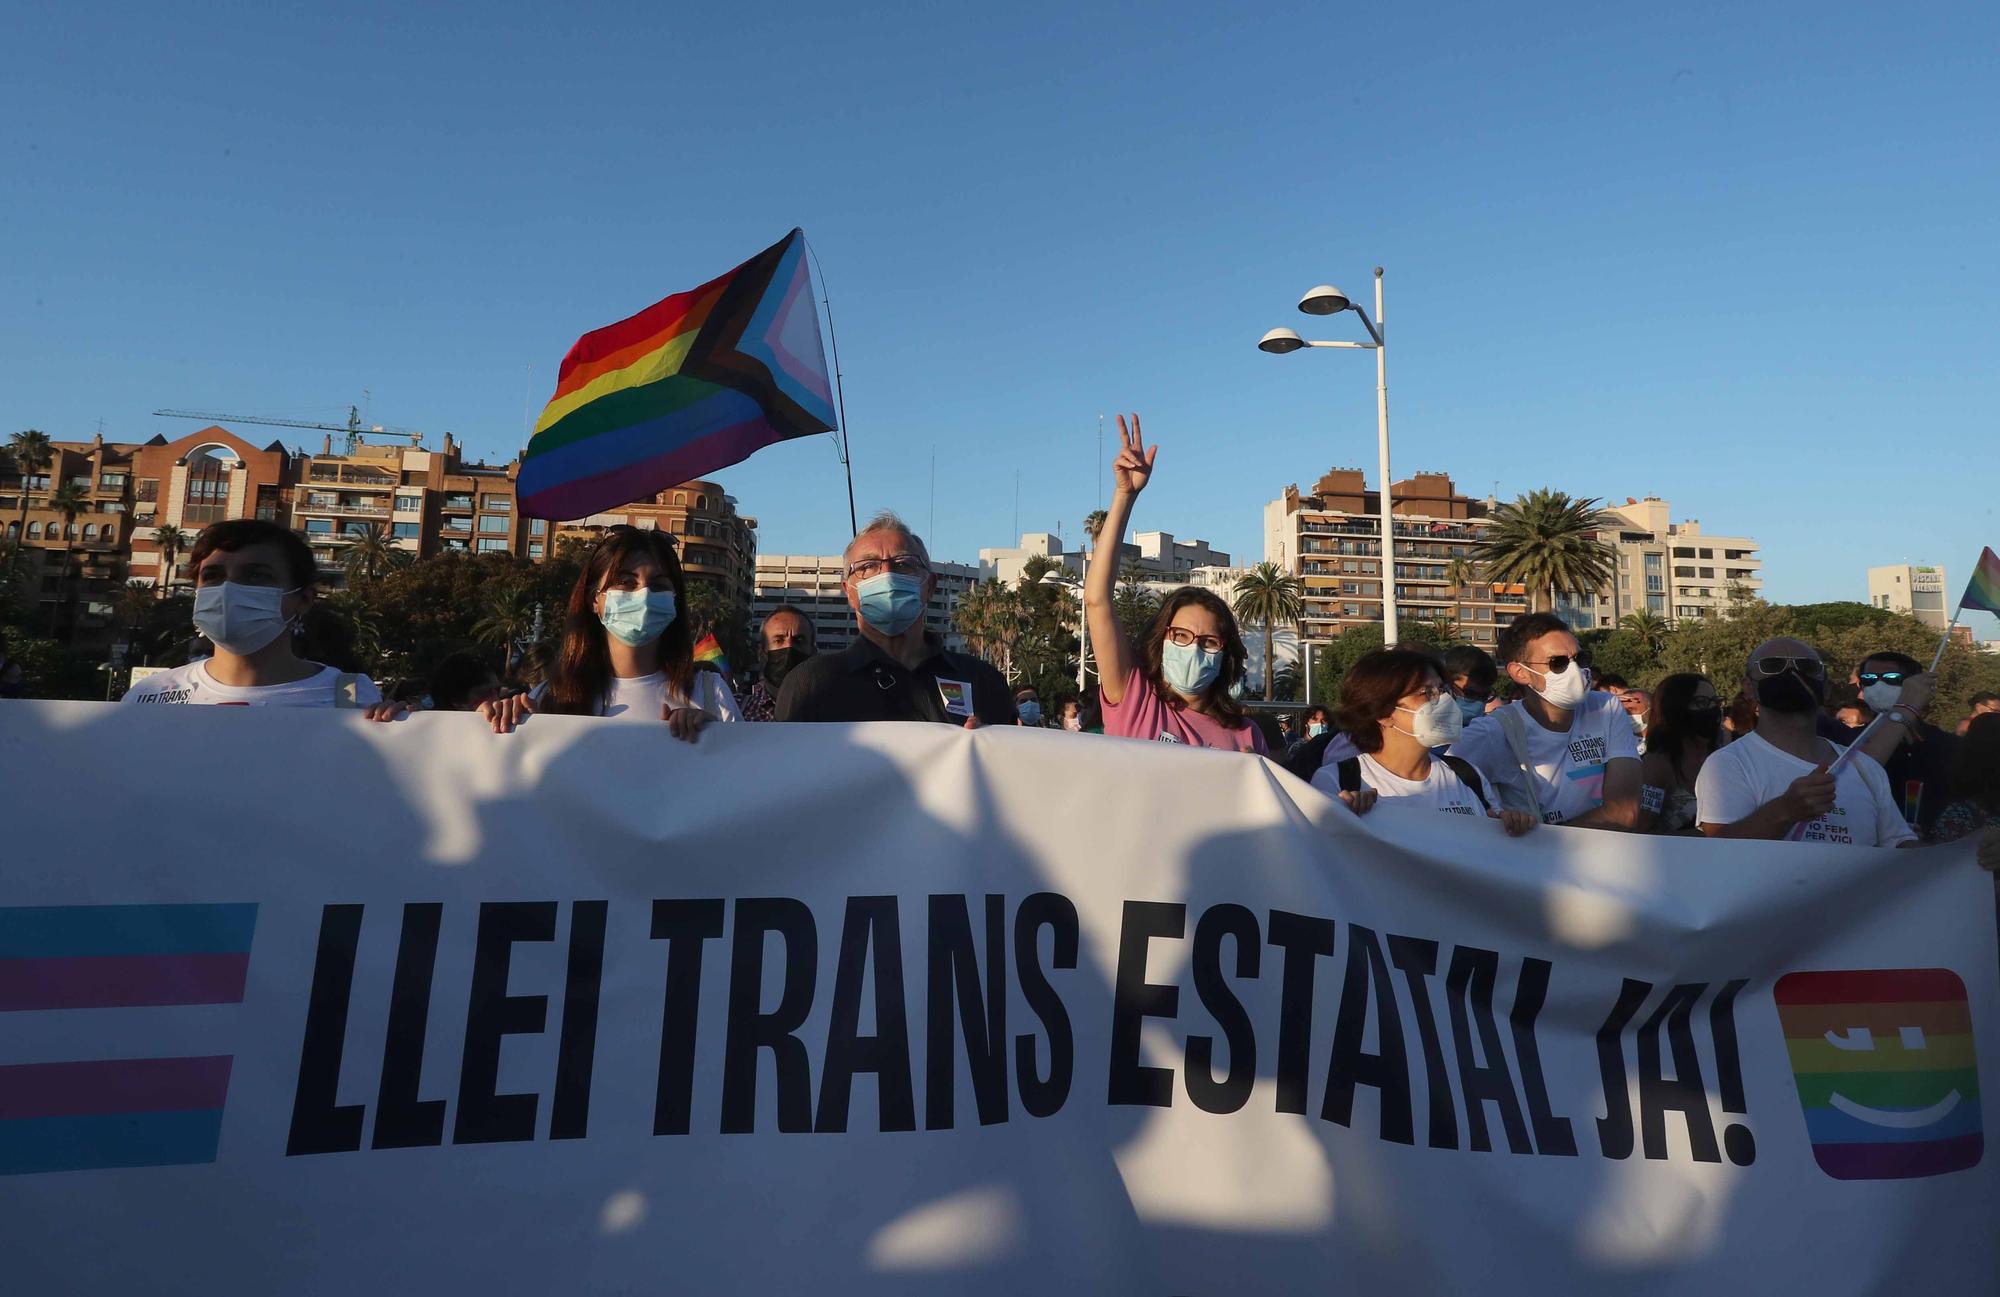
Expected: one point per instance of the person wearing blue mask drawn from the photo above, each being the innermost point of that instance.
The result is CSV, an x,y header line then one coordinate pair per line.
x,y
897,669
627,652
1471,673
1028,705
1176,687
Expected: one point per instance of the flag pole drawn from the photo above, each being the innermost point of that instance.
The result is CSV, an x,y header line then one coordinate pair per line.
x,y
1956,613
839,394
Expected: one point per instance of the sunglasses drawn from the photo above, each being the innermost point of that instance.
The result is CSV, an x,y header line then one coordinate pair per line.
x,y
1560,663
1811,668
1882,677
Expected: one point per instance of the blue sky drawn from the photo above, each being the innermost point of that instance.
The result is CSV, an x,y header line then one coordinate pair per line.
x,y
1738,256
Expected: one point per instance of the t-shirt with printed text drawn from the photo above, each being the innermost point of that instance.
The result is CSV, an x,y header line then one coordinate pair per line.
x,y
193,684
1750,772
1568,765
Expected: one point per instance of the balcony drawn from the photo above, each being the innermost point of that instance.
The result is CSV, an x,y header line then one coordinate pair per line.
x,y
351,475
331,507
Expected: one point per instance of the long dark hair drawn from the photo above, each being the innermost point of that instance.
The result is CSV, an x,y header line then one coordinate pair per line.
x,y
1216,699
1976,776
1674,722
582,674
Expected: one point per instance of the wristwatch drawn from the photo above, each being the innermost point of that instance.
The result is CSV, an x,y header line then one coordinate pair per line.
x,y
1900,717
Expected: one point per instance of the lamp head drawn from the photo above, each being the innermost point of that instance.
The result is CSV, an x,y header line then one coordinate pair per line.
x,y
1323,300
1280,341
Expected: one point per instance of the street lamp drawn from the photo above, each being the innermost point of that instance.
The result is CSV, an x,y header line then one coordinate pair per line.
x,y
1325,299
1075,586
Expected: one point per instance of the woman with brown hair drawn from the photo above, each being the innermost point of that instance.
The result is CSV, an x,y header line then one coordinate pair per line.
x,y
626,651
1395,708
1176,686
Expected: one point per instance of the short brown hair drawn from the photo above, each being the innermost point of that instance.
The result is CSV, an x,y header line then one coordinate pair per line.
x,y
1373,686
1525,630
237,533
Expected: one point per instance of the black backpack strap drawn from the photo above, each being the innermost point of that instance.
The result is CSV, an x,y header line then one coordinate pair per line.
x,y
1350,775
1469,777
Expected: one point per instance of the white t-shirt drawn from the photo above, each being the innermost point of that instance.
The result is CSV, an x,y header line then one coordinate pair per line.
x,y
642,698
1738,778
193,684
1441,790
1568,765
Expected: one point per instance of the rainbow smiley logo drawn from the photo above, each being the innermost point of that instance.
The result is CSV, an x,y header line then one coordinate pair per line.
x,y
1884,1063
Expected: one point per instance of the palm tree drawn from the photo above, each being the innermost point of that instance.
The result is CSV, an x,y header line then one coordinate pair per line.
x,y
31,452
69,500
1460,573
1093,522
1265,596
133,606
1547,541
1135,605
370,553
508,616
170,540
1648,626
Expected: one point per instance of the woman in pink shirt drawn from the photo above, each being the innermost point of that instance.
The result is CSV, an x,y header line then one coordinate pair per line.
x,y
1175,686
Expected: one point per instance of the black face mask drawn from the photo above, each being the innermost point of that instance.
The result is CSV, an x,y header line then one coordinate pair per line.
x,y
1789,693
1702,723
778,663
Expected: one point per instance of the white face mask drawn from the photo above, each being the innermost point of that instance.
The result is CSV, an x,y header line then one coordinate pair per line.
x,y
1564,689
240,619
1437,723
1881,697
1638,724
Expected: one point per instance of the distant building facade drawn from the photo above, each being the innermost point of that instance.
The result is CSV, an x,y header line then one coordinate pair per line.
x,y
1157,555
1916,589
1674,570
715,542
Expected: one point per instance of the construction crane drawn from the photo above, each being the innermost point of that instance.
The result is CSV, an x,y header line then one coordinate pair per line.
x,y
353,429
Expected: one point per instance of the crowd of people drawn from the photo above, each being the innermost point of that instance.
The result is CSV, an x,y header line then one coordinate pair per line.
x,y
1526,736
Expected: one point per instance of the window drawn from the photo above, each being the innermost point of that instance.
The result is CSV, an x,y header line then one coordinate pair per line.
x,y
680,497
355,528
90,531
114,506
319,526
701,502
492,526
81,480
1656,603
13,530
207,497
488,545
39,482
458,545
404,530
458,503
496,503
149,488
111,482
409,504
1708,553
1683,571
534,549
537,527
1683,551
34,531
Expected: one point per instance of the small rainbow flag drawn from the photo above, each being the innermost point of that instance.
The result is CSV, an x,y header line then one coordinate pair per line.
x,y
709,650
1983,591
693,383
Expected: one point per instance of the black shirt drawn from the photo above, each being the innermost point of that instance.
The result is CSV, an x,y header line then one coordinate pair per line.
x,y
1920,770
862,683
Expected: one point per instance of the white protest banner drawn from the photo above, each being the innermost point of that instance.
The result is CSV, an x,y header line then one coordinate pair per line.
x,y
294,1003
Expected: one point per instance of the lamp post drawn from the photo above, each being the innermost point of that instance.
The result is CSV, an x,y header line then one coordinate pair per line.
x,y
1075,586
1328,300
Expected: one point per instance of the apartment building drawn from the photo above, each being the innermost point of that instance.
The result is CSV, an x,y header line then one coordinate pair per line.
x,y
1674,570
1157,555
131,490
1914,589
811,583
1331,539
716,543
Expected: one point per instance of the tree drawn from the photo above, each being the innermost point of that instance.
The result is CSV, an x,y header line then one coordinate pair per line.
x,y
32,453
507,616
1649,626
69,500
988,616
1265,596
710,611
1093,522
133,607
1135,605
1044,652
1547,541
170,540
371,553
1459,573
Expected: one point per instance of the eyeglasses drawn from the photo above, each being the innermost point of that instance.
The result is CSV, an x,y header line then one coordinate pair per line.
x,y
1181,637
1882,677
901,565
1704,703
1429,694
1560,663
1811,668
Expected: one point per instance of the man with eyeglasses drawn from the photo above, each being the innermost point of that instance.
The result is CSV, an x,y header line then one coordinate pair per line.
x,y
896,670
1777,776
1562,752
1917,755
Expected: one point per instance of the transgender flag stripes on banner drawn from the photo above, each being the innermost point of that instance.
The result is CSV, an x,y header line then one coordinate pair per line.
x,y
114,1112
693,383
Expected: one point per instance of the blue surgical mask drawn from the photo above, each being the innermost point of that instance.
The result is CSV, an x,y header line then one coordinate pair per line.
x,y
1188,668
637,616
1470,709
1031,712
1315,729
891,602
